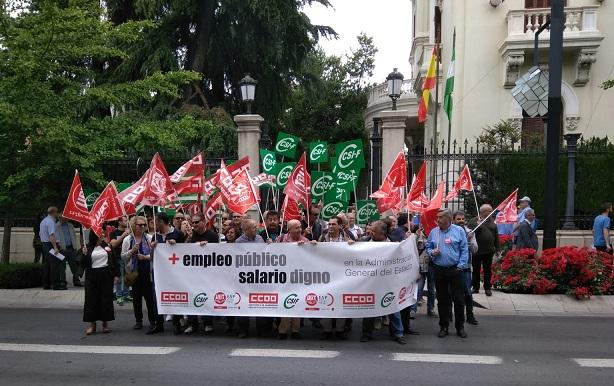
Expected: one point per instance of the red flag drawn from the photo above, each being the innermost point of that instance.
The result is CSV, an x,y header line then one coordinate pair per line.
x,y
194,167
213,206
416,199
508,212
240,195
299,183
391,202
464,182
159,189
191,185
395,178
428,219
106,208
290,210
237,167
76,208
210,184
134,193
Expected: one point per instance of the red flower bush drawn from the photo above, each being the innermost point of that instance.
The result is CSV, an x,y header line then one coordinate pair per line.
x,y
581,272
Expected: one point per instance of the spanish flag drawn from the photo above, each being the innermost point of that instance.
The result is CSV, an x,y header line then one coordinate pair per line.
x,y
427,86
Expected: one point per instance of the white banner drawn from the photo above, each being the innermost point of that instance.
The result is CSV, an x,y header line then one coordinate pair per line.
x,y
326,280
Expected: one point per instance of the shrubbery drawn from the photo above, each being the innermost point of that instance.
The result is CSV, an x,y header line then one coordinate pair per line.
x,y
22,275
581,272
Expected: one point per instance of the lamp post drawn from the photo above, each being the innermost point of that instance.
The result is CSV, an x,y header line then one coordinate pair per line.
x,y
572,146
395,82
248,91
376,148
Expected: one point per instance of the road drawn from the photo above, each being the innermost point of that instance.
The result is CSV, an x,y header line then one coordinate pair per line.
x,y
48,347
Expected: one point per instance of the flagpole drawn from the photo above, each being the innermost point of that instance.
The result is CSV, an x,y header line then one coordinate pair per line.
x,y
477,209
262,217
449,125
433,182
482,222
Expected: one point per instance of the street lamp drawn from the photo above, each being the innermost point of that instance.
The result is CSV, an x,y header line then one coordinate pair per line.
x,y
248,91
395,81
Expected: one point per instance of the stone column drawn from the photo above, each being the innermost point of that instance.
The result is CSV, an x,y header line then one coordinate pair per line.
x,y
572,142
393,136
248,133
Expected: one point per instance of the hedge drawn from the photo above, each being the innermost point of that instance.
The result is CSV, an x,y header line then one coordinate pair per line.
x,y
20,275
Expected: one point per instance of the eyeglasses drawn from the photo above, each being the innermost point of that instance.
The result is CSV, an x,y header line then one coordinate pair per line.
x,y
140,225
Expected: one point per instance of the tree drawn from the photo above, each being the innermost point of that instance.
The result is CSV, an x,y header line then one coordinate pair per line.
x,y
608,84
61,109
223,40
330,95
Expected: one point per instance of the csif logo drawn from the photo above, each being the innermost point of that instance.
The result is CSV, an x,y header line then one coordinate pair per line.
x,y
284,174
285,145
317,151
322,185
347,155
200,300
268,162
366,211
332,208
291,301
347,176
387,300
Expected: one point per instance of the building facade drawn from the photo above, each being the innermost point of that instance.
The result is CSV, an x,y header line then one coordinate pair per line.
x,y
494,47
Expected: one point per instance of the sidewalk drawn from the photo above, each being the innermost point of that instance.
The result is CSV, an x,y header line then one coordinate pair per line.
x,y
498,304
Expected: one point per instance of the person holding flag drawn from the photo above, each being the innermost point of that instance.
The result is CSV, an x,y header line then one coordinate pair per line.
x,y
487,236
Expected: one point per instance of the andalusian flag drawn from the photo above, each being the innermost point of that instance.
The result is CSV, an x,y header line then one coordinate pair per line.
x,y
447,99
427,86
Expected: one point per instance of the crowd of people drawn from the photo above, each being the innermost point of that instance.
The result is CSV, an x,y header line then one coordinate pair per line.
x,y
117,267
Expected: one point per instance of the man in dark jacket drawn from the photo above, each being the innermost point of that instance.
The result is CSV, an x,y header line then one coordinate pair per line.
x,y
526,235
487,237
400,232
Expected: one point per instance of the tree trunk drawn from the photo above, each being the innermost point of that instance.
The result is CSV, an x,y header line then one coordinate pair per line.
x,y
6,239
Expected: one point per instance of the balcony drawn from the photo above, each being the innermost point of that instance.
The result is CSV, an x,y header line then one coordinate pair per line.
x,y
581,37
379,101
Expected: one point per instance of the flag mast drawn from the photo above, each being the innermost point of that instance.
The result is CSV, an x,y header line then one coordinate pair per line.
x,y
448,107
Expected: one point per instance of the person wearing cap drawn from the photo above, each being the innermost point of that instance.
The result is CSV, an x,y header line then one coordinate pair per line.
x,y
524,204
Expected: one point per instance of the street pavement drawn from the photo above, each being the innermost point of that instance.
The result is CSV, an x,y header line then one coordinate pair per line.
x,y
48,347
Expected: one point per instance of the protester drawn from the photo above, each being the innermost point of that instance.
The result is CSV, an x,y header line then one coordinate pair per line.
x,y
178,218
137,253
100,273
51,264
36,241
399,233
201,235
316,225
459,219
601,229
271,222
232,233
345,227
186,229
524,204
166,234
70,245
353,227
427,273
151,227
334,234
379,233
447,246
250,235
526,237
293,324
116,238
487,237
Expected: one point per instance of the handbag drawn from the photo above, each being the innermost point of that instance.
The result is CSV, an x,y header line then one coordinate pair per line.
x,y
131,274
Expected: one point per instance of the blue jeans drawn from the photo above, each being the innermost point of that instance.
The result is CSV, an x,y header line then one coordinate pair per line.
x,y
429,279
120,288
397,324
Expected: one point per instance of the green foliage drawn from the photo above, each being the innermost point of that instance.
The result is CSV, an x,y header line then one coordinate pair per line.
x,y
608,84
22,275
330,95
502,135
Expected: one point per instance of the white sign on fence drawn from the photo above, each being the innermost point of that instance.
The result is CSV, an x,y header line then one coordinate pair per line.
x,y
326,280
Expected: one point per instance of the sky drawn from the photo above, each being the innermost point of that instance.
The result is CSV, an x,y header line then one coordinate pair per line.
x,y
387,21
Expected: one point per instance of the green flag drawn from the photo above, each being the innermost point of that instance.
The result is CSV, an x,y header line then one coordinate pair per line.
x,y
267,157
318,152
286,144
447,99
91,195
333,208
366,210
347,179
321,182
349,155
337,194
282,171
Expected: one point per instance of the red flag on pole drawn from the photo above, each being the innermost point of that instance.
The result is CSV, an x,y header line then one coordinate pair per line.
x,y
390,202
134,193
290,210
416,199
159,189
240,195
508,212
76,208
194,167
428,219
299,183
464,182
190,185
106,208
395,178
213,205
